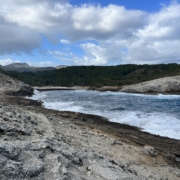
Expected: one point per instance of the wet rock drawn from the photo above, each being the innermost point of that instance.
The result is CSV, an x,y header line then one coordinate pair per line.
x,y
6,119
65,115
177,159
83,118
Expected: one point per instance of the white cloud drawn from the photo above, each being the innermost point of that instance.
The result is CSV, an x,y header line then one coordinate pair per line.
x,y
4,62
41,63
64,41
7,61
105,22
159,40
68,58
16,39
123,36
102,54
59,17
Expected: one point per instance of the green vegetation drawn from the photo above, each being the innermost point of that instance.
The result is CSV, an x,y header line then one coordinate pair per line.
x,y
96,75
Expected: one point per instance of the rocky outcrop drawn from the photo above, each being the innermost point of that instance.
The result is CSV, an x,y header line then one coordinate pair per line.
x,y
12,86
31,149
163,85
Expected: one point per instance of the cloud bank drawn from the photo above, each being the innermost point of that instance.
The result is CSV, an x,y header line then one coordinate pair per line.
x,y
122,36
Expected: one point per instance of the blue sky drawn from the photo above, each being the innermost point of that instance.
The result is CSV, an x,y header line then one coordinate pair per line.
x,y
94,32
144,5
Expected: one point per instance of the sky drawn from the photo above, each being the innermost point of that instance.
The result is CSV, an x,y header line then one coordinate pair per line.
x,y
92,32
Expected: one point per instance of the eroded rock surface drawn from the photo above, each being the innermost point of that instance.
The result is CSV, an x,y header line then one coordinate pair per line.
x,y
31,149
162,85
12,86
43,146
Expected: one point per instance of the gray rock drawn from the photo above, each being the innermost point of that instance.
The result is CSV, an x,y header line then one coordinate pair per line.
x,y
149,150
29,150
162,85
12,86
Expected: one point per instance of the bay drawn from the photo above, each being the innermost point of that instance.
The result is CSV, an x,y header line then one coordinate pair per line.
x,y
157,114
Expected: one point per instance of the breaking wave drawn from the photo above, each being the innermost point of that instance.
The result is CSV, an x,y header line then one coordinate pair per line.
x,y
157,114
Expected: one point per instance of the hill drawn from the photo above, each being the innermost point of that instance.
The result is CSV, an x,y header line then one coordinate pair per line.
x,y
97,76
24,67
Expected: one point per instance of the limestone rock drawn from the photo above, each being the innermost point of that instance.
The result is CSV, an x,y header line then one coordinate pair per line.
x,y
12,86
29,150
162,85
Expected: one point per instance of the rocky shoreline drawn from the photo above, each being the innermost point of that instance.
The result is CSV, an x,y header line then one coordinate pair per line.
x,y
42,144
52,88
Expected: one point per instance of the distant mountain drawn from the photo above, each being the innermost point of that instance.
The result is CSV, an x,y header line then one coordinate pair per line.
x,y
61,66
24,67
17,65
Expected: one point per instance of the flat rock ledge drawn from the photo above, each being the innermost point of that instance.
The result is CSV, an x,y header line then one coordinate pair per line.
x,y
167,85
41,144
31,149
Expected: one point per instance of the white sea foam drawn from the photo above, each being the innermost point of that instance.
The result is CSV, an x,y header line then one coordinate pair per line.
x,y
158,96
38,95
159,122
62,106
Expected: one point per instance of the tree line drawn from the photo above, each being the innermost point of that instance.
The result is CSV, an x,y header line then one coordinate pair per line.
x,y
96,76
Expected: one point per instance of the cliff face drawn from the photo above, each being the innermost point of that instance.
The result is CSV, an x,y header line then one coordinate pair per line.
x,y
163,85
12,86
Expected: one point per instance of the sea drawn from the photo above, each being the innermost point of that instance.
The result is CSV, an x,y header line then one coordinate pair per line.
x,y
156,114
